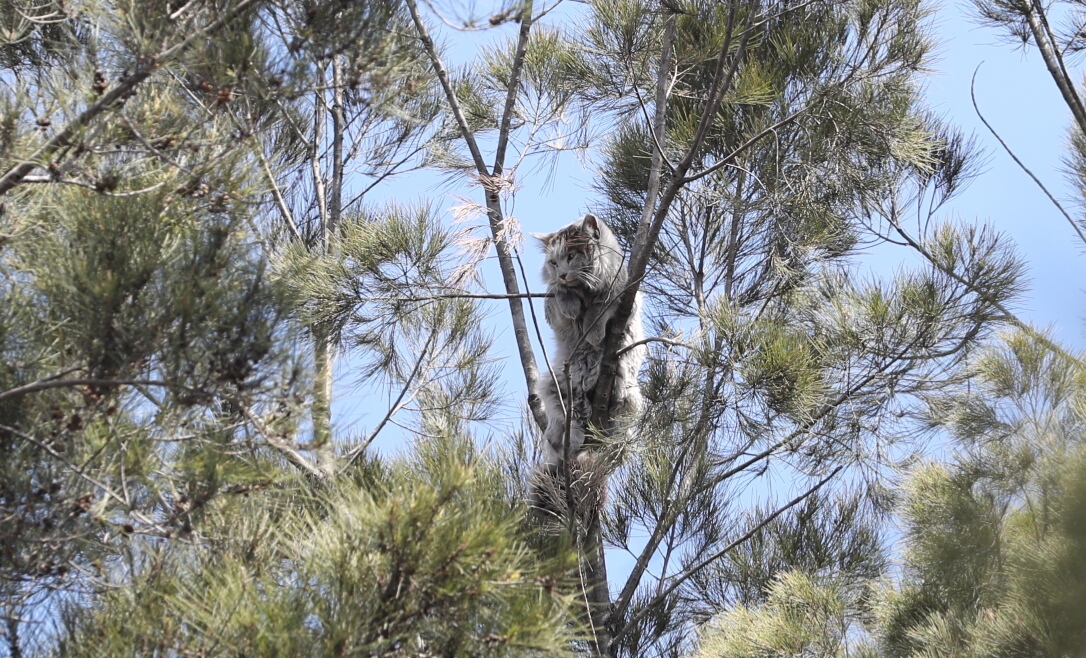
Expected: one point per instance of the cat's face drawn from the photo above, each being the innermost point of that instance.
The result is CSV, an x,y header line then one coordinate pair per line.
x,y
572,253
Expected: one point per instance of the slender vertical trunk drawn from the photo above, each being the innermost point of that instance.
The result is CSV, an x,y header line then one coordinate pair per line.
x,y
328,211
339,127
1050,52
14,645
597,591
331,216
491,180
733,240
323,363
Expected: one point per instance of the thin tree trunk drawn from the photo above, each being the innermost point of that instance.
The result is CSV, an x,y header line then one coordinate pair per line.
x,y
648,233
1050,52
653,215
339,127
323,360
331,200
597,591
323,364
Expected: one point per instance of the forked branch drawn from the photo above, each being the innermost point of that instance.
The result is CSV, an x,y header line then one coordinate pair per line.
x,y
491,181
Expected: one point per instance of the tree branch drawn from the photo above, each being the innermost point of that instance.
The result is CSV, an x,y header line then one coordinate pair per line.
x,y
677,581
653,339
490,181
648,231
1007,148
446,84
1008,315
292,455
352,455
1042,36
46,384
125,88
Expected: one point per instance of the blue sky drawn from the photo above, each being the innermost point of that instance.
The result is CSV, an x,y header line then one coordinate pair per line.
x,y
1020,100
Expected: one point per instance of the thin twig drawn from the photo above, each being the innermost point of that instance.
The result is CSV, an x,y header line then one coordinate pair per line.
x,y
465,295
692,571
351,456
64,460
535,325
1007,148
653,339
91,186
292,455
46,384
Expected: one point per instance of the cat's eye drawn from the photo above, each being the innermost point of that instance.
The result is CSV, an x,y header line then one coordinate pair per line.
x,y
569,257
553,262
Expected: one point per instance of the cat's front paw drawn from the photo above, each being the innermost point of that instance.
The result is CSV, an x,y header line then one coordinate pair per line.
x,y
567,304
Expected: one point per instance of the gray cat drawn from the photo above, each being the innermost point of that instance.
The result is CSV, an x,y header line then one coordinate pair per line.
x,y
585,276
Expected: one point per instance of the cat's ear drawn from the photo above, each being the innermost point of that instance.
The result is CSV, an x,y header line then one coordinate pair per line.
x,y
591,223
545,239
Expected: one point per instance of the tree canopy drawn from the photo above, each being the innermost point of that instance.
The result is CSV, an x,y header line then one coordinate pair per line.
x,y
219,217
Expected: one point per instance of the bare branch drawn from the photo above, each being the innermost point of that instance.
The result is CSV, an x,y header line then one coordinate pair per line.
x,y
277,193
513,88
1007,148
352,455
689,573
47,384
653,339
730,158
1043,38
466,295
292,455
659,123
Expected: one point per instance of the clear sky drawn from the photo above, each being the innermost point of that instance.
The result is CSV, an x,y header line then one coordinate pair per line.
x,y
1020,100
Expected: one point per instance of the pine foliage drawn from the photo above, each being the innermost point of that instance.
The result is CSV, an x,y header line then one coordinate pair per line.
x,y
188,243
421,557
995,537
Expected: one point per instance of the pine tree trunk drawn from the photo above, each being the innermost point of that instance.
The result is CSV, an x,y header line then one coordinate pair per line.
x,y
323,365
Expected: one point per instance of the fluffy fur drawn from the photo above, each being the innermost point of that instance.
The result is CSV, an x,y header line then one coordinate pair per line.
x,y
585,274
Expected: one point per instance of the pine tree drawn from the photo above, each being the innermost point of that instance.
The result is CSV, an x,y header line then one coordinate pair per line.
x,y
164,255
184,246
138,324
995,538
993,530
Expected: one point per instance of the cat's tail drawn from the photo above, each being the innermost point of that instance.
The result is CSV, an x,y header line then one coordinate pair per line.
x,y
555,493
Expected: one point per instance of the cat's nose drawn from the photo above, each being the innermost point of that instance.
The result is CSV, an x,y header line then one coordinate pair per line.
x,y
562,277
